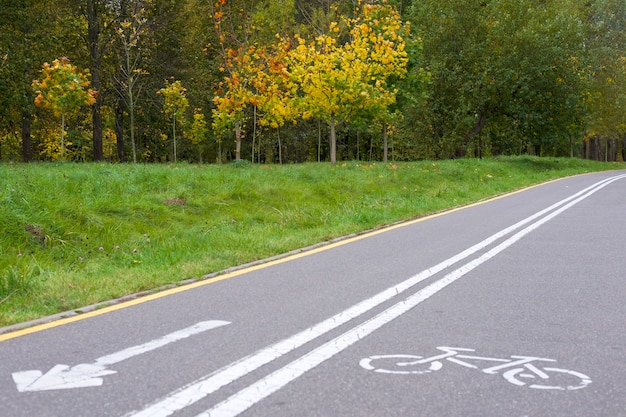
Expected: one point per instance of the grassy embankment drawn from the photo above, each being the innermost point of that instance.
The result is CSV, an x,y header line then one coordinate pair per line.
x,y
72,235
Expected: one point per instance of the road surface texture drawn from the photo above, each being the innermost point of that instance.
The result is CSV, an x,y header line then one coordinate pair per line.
x,y
512,307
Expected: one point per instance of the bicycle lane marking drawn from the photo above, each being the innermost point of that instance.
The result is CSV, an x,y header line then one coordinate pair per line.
x,y
205,386
452,355
246,398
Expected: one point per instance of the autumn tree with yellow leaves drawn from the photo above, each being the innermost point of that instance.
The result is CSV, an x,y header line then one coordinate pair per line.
x,y
335,77
64,90
235,92
175,104
338,79
253,63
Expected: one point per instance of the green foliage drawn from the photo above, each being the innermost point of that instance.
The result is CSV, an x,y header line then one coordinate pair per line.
x,y
606,36
242,163
515,64
272,17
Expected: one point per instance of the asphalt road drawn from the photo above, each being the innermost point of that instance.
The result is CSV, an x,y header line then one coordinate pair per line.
x,y
513,307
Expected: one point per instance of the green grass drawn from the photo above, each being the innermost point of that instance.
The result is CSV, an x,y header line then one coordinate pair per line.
x,y
72,235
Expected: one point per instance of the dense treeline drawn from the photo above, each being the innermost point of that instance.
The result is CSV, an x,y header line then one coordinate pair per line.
x,y
305,80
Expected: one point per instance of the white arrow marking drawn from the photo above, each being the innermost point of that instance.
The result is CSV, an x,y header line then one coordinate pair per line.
x,y
88,375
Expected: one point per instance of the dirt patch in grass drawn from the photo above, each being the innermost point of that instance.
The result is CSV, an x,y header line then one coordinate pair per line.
x,y
175,202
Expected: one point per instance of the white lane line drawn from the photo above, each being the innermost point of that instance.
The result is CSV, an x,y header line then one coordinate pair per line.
x,y
246,398
205,386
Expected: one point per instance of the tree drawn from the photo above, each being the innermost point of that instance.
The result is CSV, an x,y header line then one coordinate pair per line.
x,y
506,76
275,91
233,94
175,105
199,131
606,74
64,90
340,80
247,37
500,63
386,38
94,12
132,26
29,35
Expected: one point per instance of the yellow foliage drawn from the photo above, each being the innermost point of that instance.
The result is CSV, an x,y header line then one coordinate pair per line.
x,y
338,80
321,77
62,88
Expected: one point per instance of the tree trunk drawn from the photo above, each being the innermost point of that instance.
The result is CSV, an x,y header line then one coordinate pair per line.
x,y
119,108
27,150
319,141
280,147
131,110
254,137
96,64
595,149
119,130
98,154
480,124
237,141
62,137
174,136
333,142
385,145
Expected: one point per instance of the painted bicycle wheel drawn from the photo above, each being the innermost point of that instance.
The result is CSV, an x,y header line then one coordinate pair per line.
x,y
399,364
547,378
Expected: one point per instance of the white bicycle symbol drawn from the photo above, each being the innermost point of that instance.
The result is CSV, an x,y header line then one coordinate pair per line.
x,y
519,368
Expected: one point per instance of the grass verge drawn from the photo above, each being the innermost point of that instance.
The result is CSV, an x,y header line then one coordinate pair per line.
x,y
72,235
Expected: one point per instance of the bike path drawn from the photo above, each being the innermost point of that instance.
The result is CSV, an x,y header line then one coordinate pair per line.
x,y
271,304
556,294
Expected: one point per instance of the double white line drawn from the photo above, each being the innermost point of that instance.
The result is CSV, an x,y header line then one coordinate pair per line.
x,y
263,388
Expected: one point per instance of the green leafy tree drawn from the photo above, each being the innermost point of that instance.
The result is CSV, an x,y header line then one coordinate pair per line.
x,y
606,75
500,63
